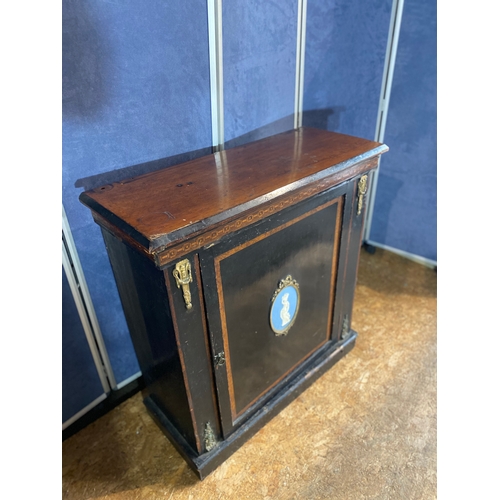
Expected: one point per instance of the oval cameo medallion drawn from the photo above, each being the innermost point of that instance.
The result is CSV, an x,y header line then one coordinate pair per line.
x,y
285,306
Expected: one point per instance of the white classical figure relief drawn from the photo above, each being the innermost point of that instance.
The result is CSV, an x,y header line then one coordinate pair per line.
x,y
284,314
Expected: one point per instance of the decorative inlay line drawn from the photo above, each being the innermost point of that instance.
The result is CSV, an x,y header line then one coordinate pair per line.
x,y
164,257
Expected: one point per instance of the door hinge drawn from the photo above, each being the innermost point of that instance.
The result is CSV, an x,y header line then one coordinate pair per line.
x,y
220,359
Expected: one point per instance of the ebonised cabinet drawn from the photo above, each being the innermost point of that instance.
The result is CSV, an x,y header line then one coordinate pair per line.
x,y
236,272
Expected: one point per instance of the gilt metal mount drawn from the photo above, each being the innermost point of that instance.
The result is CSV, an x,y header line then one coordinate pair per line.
x,y
362,189
345,327
182,275
209,437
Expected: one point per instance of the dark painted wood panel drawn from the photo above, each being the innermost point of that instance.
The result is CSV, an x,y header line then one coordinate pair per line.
x,y
144,297
348,274
249,274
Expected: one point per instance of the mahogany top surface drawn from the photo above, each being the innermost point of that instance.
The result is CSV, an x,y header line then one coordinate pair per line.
x,y
185,198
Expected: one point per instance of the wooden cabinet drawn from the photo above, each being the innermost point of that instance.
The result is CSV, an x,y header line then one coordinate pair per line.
x,y
236,272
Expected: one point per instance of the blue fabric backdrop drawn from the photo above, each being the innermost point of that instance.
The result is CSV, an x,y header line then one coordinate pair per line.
x,y
344,63
80,381
405,210
260,47
135,89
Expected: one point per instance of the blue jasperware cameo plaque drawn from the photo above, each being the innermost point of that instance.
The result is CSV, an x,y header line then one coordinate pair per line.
x,y
285,306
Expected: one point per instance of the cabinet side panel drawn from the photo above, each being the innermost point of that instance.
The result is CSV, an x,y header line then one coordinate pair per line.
x,y
145,302
352,234
196,356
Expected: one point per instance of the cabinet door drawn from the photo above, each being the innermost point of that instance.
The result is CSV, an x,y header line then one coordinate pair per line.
x,y
270,294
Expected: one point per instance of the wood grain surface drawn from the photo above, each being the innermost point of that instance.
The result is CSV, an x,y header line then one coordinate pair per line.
x,y
162,207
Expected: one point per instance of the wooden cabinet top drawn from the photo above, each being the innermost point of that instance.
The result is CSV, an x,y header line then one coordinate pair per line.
x,y
161,208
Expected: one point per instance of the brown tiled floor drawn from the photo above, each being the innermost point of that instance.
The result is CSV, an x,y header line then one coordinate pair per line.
x,y
365,429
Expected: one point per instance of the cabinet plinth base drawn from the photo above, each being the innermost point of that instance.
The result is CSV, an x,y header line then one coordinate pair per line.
x,y
206,463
